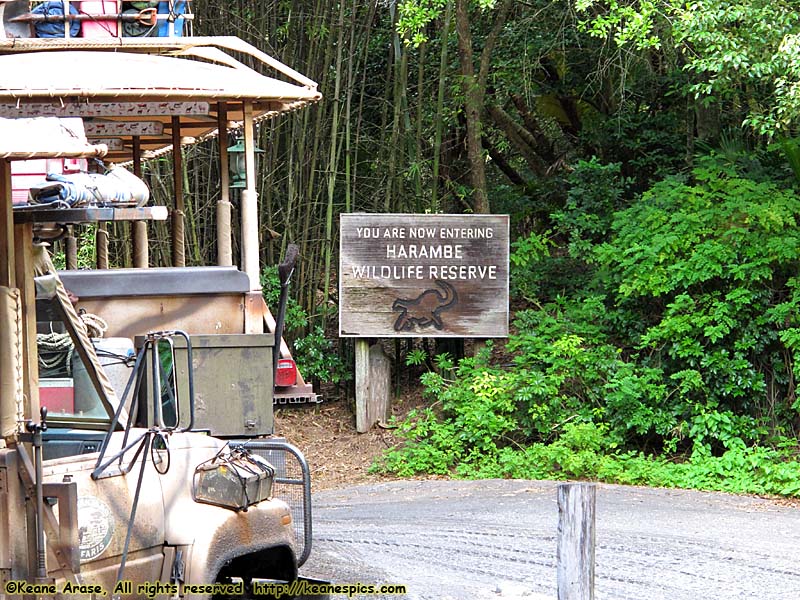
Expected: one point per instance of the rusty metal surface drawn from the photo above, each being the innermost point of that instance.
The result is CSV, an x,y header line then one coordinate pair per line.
x,y
66,545
13,525
104,508
224,534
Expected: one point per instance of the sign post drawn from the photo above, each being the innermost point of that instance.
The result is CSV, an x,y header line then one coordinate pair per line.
x,y
412,275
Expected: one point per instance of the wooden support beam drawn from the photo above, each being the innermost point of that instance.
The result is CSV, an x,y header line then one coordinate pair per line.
x,y
71,249
576,541
6,227
373,385
224,206
23,248
178,238
101,244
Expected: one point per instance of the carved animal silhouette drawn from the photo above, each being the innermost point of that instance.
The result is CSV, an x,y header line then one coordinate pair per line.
x,y
425,309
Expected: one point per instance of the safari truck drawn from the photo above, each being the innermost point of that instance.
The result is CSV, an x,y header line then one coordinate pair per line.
x,y
137,458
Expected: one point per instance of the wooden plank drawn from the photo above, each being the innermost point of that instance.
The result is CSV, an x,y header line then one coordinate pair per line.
x,y
423,275
6,227
23,242
104,109
576,541
362,384
89,214
373,385
380,386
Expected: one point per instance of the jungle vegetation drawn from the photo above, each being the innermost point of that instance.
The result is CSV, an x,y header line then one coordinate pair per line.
x,y
646,152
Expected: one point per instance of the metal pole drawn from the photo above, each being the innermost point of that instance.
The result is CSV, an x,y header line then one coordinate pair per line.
x,y
41,550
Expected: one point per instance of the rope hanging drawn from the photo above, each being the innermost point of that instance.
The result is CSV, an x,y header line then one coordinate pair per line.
x,y
55,354
56,349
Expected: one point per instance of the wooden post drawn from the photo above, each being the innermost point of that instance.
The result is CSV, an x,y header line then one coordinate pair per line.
x,y
7,268
23,248
249,204
71,249
224,206
576,536
101,245
178,234
141,249
373,385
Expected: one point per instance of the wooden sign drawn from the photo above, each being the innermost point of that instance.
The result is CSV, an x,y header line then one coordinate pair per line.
x,y
423,275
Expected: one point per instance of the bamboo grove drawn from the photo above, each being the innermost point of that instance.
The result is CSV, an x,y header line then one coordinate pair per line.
x,y
477,107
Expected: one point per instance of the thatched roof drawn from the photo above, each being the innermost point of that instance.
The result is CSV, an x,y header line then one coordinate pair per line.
x,y
118,76
108,81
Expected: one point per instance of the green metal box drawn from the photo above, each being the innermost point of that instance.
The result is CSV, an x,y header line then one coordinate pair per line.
x,y
233,384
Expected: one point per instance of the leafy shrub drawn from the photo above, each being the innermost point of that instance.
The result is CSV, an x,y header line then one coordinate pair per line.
x,y
596,192
316,356
674,367
709,268
295,317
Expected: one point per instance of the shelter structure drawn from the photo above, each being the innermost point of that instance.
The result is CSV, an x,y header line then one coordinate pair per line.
x,y
143,97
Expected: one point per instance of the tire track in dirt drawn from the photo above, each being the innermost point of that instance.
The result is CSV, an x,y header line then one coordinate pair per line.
x,y
496,539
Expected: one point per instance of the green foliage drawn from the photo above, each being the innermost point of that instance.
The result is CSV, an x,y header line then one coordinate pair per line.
x,y
415,15
416,357
674,367
86,249
595,193
316,356
526,261
715,259
727,46
295,317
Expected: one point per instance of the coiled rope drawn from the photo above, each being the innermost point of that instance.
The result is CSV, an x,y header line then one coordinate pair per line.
x,y
96,326
56,349
55,353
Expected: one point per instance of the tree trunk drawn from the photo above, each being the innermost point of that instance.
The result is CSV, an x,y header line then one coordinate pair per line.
x,y
474,93
473,101
437,139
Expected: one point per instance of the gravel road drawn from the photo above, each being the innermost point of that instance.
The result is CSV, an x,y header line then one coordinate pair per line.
x,y
497,540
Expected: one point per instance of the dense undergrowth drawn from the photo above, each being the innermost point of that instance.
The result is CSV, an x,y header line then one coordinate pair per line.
x,y
656,343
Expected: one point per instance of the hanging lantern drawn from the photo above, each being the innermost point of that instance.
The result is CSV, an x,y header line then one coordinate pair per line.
x,y
237,166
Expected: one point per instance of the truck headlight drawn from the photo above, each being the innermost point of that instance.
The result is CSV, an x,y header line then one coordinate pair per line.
x,y
233,479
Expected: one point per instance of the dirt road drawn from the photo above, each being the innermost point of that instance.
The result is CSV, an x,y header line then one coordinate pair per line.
x,y
497,539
